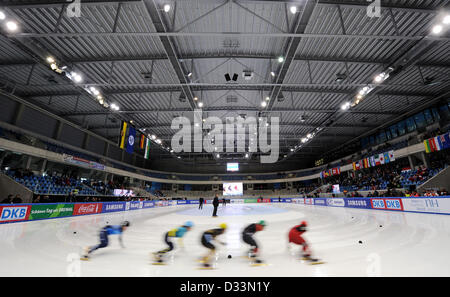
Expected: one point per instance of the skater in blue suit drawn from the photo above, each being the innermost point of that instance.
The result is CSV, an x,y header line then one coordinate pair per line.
x,y
104,233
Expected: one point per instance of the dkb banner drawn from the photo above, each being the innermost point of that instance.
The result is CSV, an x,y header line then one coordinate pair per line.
x,y
45,211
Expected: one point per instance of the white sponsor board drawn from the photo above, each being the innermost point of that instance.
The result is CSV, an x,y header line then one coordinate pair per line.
x,y
336,202
298,200
429,205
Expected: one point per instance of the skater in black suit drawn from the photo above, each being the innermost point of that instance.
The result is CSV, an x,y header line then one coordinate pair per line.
x,y
200,202
215,204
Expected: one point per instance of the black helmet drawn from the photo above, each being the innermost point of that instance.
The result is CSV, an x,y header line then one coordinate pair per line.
x,y
125,224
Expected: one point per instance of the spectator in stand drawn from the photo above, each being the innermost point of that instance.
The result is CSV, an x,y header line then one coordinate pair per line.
x,y
37,199
8,200
17,199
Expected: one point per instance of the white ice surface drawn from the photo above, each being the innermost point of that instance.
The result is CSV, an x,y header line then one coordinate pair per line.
x,y
393,243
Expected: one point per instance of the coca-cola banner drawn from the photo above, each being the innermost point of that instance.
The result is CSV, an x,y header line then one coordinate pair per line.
x,y
86,208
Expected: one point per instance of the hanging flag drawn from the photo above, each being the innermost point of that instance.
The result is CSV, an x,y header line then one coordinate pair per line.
x,y
386,158
142,142
438,143
147,149
130,140
377,160
381,157
354,166
372,161
123,134
391,156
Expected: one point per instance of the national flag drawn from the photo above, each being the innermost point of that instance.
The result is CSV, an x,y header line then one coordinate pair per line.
x,y
426,143
432,143
123,134
372,161
391,156
437,140
147,149
131,139
445,140
381,157
386,158
354,166
366,165
142,142
361,164
377,160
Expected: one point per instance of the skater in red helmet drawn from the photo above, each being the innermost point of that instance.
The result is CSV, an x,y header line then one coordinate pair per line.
x,y
295,237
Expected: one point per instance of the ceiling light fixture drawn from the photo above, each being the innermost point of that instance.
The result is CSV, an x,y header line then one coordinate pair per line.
x,y
11,26
167,7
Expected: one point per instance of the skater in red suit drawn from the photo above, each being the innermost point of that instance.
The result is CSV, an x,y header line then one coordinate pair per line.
x,y
295,236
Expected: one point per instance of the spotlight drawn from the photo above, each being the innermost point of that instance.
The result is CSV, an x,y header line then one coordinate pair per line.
x,y
114,107
189,74
437,29
235,77
2,15
292,149
263,104
153,137
53,66
227,77
345,106
309,136
293,9
267,98
446,20
195,98
272,73
246,155
280,59
218,155
11,26
50,60
304,140
167,7
76,77
200,104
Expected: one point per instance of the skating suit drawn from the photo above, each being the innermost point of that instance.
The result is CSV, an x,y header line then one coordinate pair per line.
x,y
247,235
210,235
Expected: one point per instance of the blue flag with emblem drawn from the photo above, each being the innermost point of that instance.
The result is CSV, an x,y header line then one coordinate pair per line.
x,y
130,140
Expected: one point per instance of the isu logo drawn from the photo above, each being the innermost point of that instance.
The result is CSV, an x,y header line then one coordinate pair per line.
x,y
81,209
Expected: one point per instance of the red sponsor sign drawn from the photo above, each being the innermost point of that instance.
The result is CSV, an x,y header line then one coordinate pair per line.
x,y
14,213
263,200
86,208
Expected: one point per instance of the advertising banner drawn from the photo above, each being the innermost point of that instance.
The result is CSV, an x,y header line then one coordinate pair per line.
x,y
298,200
336,202
193,202
250,200
45,211
14,213
86,208
386,203
263,200
428,205
287,200
148,204
182,202
135,205
113,206
320,201
309,201
357,203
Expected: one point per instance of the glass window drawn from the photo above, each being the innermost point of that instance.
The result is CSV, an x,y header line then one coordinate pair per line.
x,y
394,131
401,128
372,140
382,137
410,124
420,120
388,134
435,113
428,117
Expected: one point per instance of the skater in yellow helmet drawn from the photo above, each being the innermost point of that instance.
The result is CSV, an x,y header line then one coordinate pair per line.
x,y
206,240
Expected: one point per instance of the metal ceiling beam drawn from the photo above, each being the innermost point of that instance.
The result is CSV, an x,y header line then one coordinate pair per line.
x,y
230,87
169,47
219,56
222,34
344,3
227,108
291,49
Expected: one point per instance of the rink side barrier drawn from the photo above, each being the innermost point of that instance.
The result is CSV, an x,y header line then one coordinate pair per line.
x,y
13,213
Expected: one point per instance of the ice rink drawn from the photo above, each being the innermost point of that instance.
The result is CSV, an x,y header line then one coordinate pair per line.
x,y
393,243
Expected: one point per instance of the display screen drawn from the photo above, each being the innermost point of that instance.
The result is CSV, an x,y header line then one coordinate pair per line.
x,y
233,167
233,189
122,192
336,189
